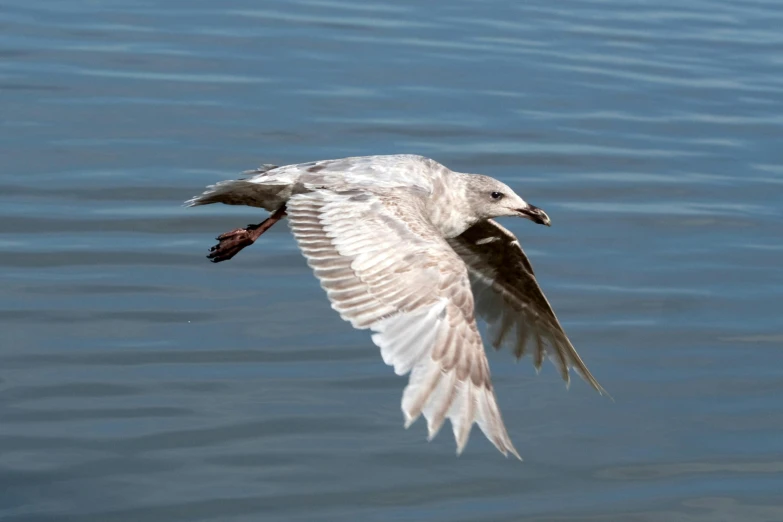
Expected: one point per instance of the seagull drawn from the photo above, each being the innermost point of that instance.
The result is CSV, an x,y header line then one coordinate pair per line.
x,y
409,249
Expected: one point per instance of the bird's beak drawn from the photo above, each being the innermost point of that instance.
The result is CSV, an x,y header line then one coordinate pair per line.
x,y
535,214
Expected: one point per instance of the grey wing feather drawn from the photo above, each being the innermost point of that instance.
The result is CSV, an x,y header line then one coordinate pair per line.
x,y
509,299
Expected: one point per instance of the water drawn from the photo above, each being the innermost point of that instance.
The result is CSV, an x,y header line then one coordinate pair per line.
x,y
140,382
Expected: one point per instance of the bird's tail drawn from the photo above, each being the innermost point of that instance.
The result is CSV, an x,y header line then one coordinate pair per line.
x,y
271,194
230,192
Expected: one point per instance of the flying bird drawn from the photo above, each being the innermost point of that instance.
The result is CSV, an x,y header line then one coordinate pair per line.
x,y
409,249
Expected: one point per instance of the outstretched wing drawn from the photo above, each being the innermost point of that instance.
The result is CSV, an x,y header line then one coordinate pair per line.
x,y
385,268
509,299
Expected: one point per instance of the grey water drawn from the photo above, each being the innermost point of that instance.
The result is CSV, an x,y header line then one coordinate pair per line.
x,y
139,382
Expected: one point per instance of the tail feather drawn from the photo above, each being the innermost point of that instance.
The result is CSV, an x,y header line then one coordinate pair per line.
x,y
240,192
243,191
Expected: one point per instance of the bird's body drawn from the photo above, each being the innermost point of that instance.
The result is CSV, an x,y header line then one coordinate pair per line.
x,y
407,248
417,180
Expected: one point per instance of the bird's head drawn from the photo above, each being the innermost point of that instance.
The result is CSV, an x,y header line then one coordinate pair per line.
x,y
489,198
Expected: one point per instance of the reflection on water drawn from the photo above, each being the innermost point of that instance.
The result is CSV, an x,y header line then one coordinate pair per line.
x,y
140,382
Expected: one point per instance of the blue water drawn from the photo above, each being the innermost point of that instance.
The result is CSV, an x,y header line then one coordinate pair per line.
x,y
139,382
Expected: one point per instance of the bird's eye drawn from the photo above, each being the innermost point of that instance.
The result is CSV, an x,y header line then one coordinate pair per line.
x,y
496,195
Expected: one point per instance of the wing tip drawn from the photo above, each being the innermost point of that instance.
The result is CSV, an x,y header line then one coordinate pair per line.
x,y
585,374
602,392
514,452
505,453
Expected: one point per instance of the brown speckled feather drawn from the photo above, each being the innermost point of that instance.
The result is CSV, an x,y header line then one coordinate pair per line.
x,y
384,267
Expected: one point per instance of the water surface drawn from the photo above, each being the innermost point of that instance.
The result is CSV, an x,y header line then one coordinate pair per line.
x,y
140,382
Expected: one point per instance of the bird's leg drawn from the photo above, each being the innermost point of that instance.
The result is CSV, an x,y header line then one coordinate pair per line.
x,y
232,242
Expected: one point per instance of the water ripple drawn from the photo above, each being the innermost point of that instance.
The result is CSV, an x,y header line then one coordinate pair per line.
x,y
140,382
